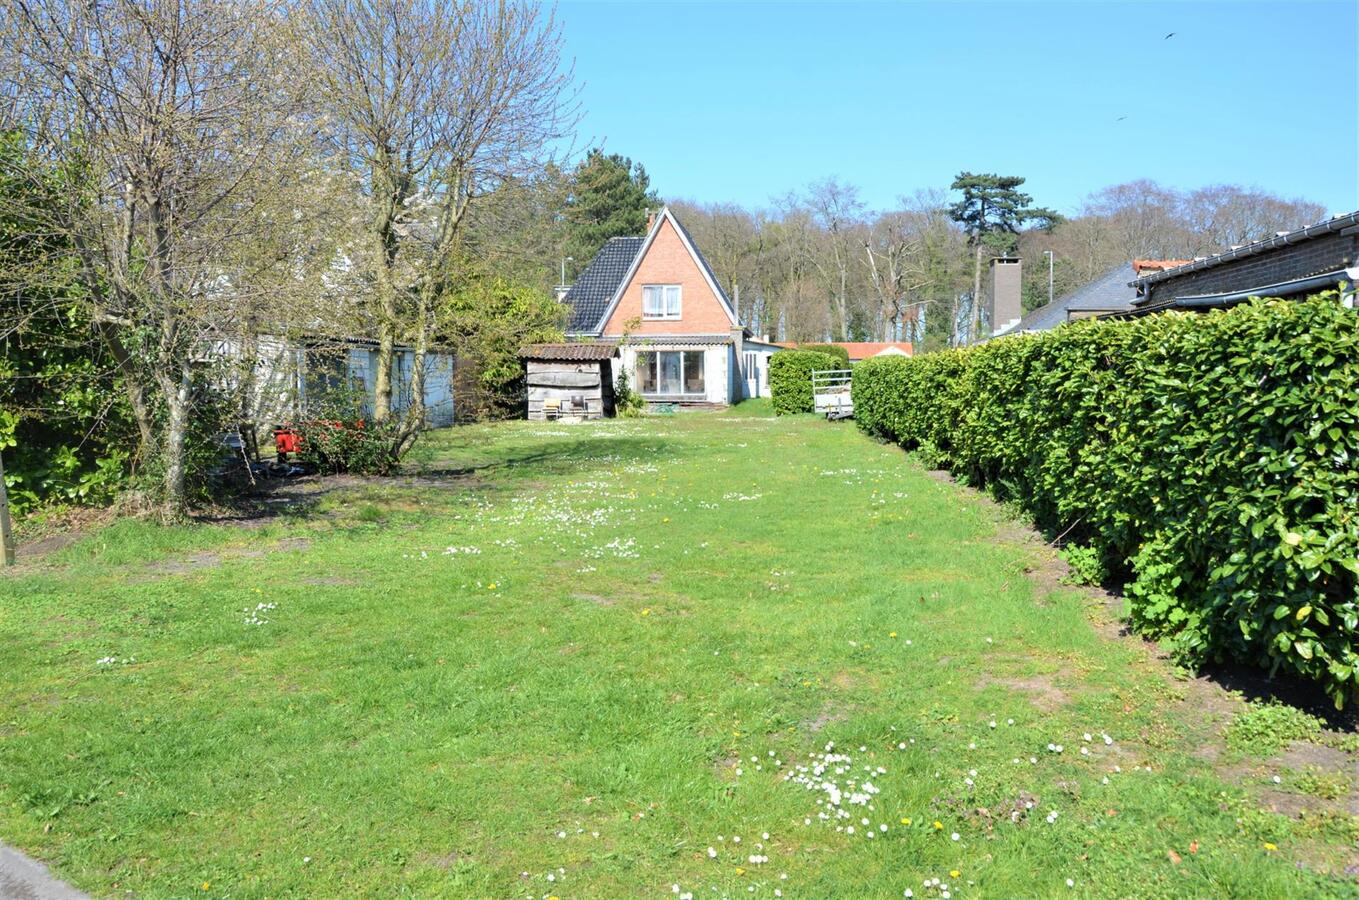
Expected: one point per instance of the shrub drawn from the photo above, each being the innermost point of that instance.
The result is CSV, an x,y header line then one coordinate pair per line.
x,y
355,445
830,349
1208,461
790,378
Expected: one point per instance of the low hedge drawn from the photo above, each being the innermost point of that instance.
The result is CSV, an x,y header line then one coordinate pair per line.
x,y
832,349
790,378
1209,460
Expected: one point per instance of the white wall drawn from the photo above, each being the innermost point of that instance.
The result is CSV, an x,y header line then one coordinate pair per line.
x,y
717,378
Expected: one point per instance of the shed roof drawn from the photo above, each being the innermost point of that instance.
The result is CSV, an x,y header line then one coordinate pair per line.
x,y
579,351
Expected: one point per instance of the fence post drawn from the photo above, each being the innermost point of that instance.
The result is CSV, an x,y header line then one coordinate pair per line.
x,y
6,534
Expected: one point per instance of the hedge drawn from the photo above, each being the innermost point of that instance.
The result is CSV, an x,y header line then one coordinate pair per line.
x,y
832,349
1210,461
790,378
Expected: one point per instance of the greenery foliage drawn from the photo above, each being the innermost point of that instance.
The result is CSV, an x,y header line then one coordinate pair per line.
x,y
341,438
487,320
790,378
831,349
65,431
1266,728
608,197
1208,459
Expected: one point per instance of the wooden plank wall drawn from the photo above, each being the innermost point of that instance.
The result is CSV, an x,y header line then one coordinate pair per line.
x,y
578,385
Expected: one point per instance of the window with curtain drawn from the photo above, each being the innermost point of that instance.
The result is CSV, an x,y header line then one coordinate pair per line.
x,y
660,301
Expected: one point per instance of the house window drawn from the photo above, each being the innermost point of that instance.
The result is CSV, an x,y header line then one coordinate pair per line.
x,y
673,373
660,301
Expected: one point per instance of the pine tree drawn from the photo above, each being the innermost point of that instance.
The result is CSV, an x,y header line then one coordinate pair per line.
x,y
609,197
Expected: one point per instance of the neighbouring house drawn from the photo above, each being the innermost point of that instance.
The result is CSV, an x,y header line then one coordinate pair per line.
x,y
1110,293
297,378
678,335
859,350
569,381
1290,264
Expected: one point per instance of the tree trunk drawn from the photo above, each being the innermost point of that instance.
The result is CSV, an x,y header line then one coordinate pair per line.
x,y
177,407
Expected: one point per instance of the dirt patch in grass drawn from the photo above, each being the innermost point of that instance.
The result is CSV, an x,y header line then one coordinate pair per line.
x,y
596,599
1037,689
829,714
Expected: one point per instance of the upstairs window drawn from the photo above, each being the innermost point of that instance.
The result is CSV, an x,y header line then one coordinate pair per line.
x,y
660,301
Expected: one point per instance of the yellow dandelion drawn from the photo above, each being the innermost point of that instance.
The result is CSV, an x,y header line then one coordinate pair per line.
x,y
491,586
207,885
740,871
938,826
665,519
1271,847
906,820
954,873
891,634
646,612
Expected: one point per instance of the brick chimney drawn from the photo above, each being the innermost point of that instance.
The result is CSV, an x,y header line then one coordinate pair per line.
x,y
650,219
1004,307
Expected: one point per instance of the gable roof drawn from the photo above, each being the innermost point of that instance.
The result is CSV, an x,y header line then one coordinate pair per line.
x,y
609,273
595,287
1109,292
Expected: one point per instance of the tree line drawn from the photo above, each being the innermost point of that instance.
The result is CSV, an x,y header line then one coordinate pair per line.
x,y
184,181
818,264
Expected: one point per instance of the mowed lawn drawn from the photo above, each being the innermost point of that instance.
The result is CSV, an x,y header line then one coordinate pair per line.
x,y
588,661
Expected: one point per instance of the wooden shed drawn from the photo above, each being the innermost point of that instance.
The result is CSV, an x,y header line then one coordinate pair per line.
x,y
569,381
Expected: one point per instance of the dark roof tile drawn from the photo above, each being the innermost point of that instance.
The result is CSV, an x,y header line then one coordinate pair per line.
x,y
589,297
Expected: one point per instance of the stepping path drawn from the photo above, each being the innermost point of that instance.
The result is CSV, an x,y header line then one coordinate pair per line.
x,y
22,878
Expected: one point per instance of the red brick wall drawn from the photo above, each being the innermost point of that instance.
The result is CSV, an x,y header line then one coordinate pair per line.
x,y
668,262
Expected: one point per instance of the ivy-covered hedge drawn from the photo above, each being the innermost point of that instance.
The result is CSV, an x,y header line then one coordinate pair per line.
x,y
1212,461
790,378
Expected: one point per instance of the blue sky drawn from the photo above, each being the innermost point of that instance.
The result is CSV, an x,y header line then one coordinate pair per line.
x,y
744,102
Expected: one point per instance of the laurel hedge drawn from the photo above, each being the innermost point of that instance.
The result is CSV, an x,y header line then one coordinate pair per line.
x,y
1209,460
790,378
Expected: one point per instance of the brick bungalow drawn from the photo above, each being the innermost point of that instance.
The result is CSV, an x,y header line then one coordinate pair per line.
x,y
1290,264
684,342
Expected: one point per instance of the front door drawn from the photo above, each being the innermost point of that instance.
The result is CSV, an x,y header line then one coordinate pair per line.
x,y
751,367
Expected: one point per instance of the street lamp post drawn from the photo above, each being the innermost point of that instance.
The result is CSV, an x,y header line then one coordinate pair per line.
x,y
1049,254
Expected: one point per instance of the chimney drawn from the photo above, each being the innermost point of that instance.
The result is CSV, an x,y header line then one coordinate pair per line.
x,y
1004,307
650,219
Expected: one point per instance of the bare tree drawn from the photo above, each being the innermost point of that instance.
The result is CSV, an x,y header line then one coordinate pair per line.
x,y
436,102
177,119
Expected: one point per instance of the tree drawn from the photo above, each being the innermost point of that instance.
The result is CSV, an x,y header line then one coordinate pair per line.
x,y
437,102
175,123
487,319
64,427
609,196
992,211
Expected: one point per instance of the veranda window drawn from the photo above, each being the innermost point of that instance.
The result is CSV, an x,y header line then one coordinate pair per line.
x,y
670,372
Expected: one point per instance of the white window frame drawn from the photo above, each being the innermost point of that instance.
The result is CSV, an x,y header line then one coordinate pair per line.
x,y
667,293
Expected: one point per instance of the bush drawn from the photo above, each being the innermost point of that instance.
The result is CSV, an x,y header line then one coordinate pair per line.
x,y
1208,460
790,378
832,350
355,445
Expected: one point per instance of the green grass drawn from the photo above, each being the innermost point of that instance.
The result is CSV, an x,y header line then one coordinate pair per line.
x,y
655,604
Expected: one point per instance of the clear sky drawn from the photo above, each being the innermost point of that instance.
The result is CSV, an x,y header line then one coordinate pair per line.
x,y
744,102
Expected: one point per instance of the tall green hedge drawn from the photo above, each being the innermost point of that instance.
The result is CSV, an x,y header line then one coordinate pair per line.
x,y
831,349
1209,459
790,378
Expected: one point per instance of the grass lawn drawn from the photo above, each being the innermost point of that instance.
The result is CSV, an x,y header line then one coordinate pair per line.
x,y
582,661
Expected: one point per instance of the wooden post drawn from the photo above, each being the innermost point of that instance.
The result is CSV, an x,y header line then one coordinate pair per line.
x,y
6,534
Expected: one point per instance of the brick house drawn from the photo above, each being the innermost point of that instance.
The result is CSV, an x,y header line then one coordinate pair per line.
x,y
1290,264
679,337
